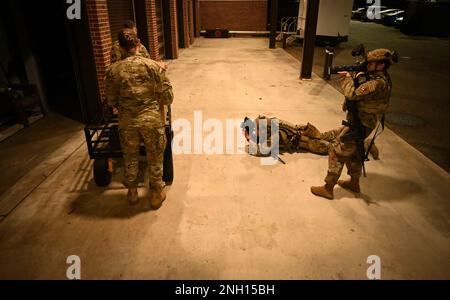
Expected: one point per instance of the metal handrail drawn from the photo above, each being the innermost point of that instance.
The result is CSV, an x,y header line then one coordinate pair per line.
x,y
289,24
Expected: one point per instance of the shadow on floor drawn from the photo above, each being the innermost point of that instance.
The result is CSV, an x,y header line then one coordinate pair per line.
x,y
110,201
106,204
395,189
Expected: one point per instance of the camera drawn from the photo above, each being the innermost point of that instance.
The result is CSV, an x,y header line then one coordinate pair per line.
x,y
358,67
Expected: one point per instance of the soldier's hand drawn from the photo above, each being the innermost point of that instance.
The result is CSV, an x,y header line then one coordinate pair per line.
x,y
344,74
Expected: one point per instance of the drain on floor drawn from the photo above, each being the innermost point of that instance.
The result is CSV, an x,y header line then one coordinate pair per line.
x,y
403,119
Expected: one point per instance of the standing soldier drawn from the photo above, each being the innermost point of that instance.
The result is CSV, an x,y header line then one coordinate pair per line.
x,y
137,87
372,100
118,53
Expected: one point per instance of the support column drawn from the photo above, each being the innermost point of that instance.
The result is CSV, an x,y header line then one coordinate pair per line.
x,y
197,17
170,28
186,23
152,29
273,23
174,28
97,11
309,41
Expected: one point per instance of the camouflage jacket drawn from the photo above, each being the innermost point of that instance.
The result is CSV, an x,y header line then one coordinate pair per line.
x,y
292,138
373,97
137,86
117,53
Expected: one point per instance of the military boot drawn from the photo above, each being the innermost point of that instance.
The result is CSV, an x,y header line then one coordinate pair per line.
x,y
157,199
325,191
351,185
132,196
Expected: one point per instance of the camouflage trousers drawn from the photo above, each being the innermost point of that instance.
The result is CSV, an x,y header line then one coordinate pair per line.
x,y
155,142
317,142
343,153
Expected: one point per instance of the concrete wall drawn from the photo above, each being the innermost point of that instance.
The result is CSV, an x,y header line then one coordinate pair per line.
x,y
333,20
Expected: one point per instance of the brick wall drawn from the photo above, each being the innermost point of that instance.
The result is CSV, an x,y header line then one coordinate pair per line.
x,y
234,15
191,23
173,28
186,23
152,29
98,19
97,11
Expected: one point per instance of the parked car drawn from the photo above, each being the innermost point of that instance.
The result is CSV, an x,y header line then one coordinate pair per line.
x,y
389,19
357,13
385,12
398,22
369,14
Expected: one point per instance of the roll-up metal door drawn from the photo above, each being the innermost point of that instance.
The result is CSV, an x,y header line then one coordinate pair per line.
x,y
160,25
119,12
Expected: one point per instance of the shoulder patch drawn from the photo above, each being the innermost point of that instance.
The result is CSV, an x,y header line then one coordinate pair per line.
x,y
368,87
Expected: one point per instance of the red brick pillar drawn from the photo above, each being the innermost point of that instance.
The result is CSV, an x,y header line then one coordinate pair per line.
x,y
152,29
98,18
173,28
191,23
186,23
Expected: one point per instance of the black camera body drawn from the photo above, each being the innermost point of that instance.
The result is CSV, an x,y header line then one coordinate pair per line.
x,y
358,67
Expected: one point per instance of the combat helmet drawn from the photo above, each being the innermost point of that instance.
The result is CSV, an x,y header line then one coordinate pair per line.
x,y
382,55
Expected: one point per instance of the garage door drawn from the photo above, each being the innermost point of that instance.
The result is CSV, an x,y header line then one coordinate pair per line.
x,y
119,12
250,15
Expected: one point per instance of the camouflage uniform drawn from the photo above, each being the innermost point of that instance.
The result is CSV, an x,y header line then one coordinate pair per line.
x,y
295,138
137,86
372,101
118,53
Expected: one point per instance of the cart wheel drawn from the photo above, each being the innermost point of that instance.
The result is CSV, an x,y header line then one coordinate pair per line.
x,y
102,172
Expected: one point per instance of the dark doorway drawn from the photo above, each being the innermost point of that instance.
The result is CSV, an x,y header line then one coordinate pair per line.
x,y
286,8
141,22
48,39
180,24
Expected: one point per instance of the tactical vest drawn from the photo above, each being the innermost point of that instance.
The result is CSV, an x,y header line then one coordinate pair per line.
x,y
289,134
372,109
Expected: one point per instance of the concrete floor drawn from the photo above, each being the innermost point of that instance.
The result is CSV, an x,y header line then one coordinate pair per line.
x,y
419,107
227,216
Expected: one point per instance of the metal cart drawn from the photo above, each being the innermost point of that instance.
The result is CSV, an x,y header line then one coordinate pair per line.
x,y
103,145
